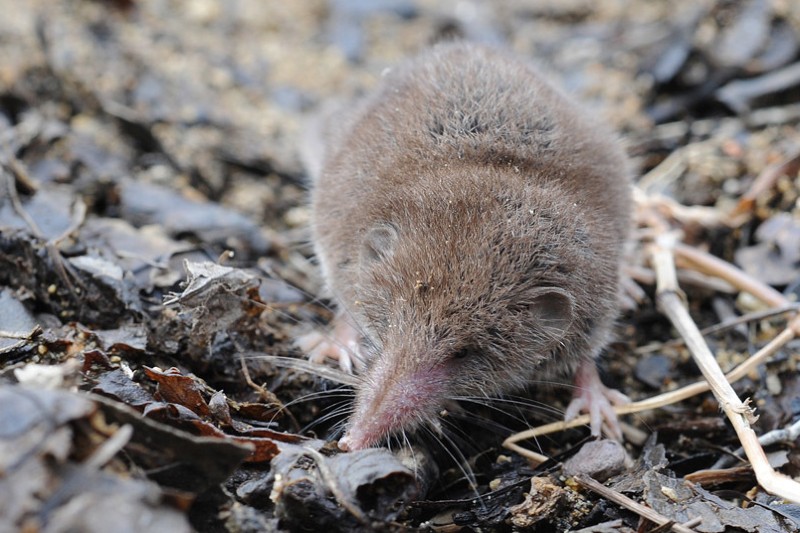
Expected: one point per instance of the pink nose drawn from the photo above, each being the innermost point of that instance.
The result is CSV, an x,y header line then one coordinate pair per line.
x,y
344,444
354,440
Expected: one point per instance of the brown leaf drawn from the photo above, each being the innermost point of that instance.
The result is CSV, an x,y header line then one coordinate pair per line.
x,y
263,449
173,387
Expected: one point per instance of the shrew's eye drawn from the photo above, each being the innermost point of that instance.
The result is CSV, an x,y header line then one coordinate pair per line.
x,y
463,353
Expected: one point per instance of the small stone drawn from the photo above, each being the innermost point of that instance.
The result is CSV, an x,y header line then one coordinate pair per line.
x,y
599,459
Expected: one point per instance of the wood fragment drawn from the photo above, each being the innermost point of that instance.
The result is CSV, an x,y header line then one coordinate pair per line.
x,y
713,477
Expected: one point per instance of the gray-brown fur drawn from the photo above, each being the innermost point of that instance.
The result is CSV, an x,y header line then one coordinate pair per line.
x,y
468,208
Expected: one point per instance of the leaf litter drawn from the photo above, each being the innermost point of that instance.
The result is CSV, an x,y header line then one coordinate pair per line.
x,y
140,142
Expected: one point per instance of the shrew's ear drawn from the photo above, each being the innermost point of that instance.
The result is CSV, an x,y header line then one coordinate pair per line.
x,y
378,243
550,311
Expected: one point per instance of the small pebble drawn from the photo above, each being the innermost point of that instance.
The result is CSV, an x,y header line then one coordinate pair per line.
x,y
599,459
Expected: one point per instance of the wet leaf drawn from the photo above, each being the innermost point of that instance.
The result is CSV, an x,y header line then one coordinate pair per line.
x,y
143,252
42,480
49,209
17,324
130,338
118,385
177,458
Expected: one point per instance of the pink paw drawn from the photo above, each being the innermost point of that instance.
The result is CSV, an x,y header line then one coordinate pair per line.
x,y
341,344
594,398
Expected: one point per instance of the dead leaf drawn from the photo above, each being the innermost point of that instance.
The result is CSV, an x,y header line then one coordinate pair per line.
x,y
173,387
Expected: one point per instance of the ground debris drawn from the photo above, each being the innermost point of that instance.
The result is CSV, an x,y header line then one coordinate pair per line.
x,y
775,258
675,499
153,249
50,482
145,204
543,500
341,492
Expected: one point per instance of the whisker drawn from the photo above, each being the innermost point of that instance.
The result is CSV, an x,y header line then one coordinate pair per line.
x,y
339,392
457,458
334,393
412,451
337,430
339,410
307,367
538,407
